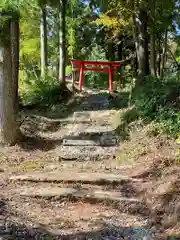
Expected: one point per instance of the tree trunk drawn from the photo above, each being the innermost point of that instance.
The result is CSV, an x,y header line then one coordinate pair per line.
x,y
43,37
153,42
120,51
111,51
164,53
62,41
120,58
159,56
141,43
15,59
8,125
153,54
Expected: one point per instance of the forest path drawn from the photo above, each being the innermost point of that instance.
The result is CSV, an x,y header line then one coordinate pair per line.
x,y
83,194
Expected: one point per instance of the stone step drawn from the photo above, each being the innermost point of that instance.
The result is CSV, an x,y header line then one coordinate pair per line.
x,y
106,167
83,142
95,106
94,115
101,103
73,177
85,194
91,128
85,153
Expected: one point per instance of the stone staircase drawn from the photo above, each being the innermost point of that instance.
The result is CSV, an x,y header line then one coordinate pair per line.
x,y
92,134
92,137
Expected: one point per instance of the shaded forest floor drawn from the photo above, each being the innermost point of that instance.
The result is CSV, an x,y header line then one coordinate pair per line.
x,y
149,159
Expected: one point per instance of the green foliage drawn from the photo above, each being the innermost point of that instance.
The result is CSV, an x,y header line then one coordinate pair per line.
x,y
68,70
10,6
29,37
130,115
39,91
9,10
96,79
158,100
125,119
126,79
81,31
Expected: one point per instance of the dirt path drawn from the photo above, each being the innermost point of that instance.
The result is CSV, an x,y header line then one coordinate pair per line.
x,y
70,187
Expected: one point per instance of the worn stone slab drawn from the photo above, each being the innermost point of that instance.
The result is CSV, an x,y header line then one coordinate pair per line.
x,y
91,128
95,106
72,176
85,115
86,152
83,142
49,192
77,142
78,128
109,195
86,166
94,115
96,103
100,129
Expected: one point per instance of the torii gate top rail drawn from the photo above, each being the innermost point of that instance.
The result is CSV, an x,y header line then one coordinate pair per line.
x,y
104,66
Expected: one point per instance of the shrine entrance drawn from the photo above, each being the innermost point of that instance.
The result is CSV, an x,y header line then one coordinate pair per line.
x,y
97,66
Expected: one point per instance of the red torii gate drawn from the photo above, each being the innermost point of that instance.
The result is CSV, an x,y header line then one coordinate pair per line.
x,y
104,66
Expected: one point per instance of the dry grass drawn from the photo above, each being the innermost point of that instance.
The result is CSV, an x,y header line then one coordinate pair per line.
x,y
139,140
130,151
154,159
29,165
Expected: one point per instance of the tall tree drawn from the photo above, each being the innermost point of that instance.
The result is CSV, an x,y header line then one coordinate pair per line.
x,y
9,131
15,56
151,20
62,40
152,31
141,42
43,39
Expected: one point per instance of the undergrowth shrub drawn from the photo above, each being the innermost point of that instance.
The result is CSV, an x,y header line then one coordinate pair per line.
x,y
123,121
37,91
97,80
68,70
158,100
